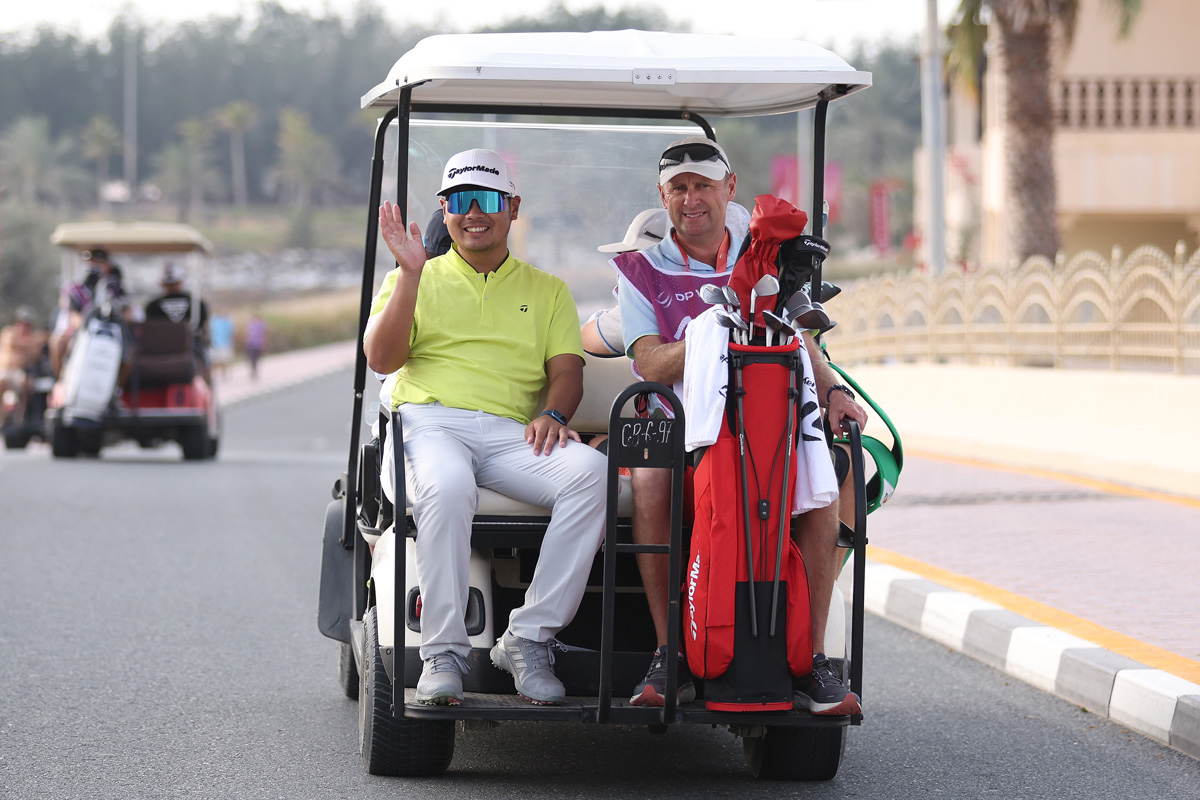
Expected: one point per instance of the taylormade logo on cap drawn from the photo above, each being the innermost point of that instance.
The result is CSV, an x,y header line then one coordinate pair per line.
x,y
454,173
483,168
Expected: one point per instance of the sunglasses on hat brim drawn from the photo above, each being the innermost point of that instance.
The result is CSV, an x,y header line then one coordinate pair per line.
x,y
674,156
490,201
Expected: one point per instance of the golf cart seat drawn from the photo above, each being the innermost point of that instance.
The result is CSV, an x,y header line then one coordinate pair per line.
x,y
165,353
603,380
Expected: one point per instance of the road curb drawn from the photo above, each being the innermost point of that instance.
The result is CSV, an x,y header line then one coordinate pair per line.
x,y
1152,702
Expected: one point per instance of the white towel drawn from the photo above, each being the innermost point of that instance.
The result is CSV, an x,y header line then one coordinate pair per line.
x,y
816,481
705,384
705,379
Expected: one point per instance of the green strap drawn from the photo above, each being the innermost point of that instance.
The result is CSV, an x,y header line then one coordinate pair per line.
x,y
889,461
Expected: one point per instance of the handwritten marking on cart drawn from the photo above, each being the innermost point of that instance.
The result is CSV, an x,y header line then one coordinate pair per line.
x,y
646,432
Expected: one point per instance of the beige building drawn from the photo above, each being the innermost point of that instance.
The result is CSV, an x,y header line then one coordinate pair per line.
x,y
1127,144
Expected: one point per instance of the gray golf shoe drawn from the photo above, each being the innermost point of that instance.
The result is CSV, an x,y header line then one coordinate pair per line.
x,y
532,666
441,680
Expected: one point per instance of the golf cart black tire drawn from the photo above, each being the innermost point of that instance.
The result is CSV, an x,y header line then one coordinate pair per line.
x,y
63,442
395,746
194,441
347,670
795,753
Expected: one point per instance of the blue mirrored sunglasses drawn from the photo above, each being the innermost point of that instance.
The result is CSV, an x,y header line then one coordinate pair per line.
x,y
490,201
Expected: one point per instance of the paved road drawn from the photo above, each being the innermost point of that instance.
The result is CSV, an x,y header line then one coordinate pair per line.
x,y
158,639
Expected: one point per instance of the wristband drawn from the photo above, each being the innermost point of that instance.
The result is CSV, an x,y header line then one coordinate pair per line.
x,y
555,415
837,387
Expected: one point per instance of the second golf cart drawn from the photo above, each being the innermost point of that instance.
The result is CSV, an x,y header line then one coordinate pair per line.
x,y
124,377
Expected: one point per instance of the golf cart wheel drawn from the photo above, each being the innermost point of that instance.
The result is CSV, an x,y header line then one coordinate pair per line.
x,y
194,441
795,753
392,745
63,442
15,440
347,670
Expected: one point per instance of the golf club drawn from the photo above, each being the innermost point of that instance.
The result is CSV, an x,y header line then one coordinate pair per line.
x,y
712,294
766,286
774,324
727,319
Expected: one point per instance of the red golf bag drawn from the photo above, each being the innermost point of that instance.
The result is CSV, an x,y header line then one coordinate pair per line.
x,y
746,619
747,627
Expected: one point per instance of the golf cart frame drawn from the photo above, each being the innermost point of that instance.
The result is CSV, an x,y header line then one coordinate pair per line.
x,y
621,75
166,397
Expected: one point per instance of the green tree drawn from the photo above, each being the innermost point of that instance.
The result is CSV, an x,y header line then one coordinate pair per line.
x,y
183,169
308,165
37,168
28,266
596,18
1026,35
236,118
101,140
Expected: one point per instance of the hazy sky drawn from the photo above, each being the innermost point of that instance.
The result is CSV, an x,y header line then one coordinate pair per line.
x,y
828,22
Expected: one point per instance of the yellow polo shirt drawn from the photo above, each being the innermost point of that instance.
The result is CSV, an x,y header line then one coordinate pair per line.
x,y
481,342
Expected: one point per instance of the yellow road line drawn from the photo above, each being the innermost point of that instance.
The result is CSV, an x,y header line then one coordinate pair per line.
x,y
1127,646
1091,483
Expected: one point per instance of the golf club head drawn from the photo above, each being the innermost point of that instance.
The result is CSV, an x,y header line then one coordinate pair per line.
x,y
712,294
773,322
832,324
766,285
813,318
829,291
731,297
733,322
796,305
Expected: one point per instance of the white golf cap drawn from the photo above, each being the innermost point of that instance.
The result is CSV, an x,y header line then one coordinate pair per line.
x,y
693,154
173,273
648,228
477,167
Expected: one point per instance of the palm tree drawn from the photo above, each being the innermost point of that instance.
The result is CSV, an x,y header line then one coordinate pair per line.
x,y
183,169
237,118
307,164
1026,35
202,178
100,140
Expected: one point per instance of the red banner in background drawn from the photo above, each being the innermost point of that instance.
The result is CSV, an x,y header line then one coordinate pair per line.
x,y
788,175
787,179
880,199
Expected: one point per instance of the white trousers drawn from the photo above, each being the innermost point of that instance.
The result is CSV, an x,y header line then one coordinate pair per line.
x,y
449,453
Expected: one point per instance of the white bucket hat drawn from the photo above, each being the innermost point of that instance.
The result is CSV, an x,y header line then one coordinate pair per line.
x,y
648,228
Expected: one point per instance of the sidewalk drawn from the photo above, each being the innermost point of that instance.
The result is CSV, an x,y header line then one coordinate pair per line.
x,y
1049,525
1007,538
279,371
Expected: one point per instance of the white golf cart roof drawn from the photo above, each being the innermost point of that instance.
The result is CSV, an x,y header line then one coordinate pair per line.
x,y
705,74
131,237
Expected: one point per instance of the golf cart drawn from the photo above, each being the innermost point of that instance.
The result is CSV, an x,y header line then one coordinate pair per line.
x,y
126,377
369,601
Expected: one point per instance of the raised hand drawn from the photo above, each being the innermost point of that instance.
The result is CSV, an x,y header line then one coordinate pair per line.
x,y
406,246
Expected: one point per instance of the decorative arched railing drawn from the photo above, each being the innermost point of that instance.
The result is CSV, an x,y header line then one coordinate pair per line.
x,y
1135,312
